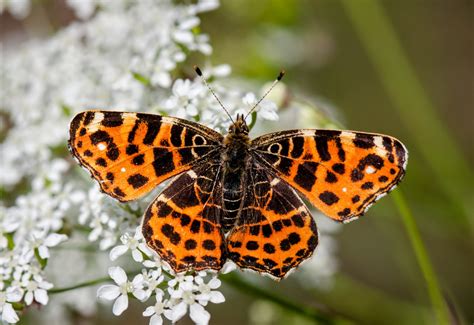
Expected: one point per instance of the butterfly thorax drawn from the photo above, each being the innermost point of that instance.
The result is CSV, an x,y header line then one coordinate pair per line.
x,y
234,157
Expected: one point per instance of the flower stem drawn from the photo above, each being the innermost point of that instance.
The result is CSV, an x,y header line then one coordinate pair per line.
x,y
237,282
80,285
423,259
321,317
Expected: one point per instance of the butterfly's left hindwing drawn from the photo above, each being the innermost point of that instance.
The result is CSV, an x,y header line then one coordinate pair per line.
x,y
131,153
340,172
183,224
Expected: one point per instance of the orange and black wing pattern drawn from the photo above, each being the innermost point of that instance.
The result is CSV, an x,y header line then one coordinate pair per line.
x,y
340,172
129,154
183,224
275,231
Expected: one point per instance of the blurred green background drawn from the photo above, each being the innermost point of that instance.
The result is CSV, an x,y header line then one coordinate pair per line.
x,y
337,50
319,45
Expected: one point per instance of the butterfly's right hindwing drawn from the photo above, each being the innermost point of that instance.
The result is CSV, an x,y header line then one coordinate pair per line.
x,y
131,153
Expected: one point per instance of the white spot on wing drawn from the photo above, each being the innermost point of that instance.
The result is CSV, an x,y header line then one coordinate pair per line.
x,y
378,141
370,170
94,125
344,189
123,170
308,133
192,174
348,134
101,146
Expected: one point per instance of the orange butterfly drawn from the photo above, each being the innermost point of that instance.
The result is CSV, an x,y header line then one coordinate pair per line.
x,y
235,198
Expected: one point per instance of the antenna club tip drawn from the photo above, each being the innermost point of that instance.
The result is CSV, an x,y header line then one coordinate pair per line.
x,y
198,71
280,76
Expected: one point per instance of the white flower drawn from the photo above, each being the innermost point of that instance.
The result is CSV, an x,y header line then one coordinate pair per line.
x,y
184,101
36,288
206,292
131,243
196,311
150,282
121,290
50,241
188,291
156,310
6,309
266,109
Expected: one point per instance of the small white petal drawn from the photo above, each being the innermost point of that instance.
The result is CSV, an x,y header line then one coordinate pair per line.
x,y
41,296
54,239
178,311
228,267
216,297
29,298
43,252
9,315
150,310
118,274
214,283
108,292
156,320
140,294
137,255
117,251
198,314
120,305
14,294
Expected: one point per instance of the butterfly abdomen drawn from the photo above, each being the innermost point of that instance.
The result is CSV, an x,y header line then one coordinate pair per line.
x,y
234,158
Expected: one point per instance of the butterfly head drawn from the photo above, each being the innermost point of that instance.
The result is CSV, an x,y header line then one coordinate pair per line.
x,y
239,127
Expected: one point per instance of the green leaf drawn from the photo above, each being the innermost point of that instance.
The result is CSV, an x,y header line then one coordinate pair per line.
x,y
141,78
42,261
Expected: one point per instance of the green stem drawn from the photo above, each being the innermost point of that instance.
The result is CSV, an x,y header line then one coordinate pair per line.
x,y
246,287
432,139
423,259
80,285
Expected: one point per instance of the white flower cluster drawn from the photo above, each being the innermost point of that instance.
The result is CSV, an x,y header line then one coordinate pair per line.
x,y
124,55
174,294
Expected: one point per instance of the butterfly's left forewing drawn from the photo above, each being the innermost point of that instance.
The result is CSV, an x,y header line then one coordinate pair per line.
x,y
131,153
340,172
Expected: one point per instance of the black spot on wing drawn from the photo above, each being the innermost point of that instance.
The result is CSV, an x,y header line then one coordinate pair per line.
x,y
306,175
163,161
175,136
298,147
364,141
88,118
131,149
328,197
112,119
322,147
137,180
284,165
153,127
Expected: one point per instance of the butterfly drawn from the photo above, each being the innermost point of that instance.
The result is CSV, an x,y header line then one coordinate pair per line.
x,y
233,197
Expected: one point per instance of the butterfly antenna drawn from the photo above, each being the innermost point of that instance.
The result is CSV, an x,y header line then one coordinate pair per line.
x,y
280,76
199,73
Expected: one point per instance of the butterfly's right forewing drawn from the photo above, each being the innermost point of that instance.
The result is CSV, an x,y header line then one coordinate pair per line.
x,y
131,153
